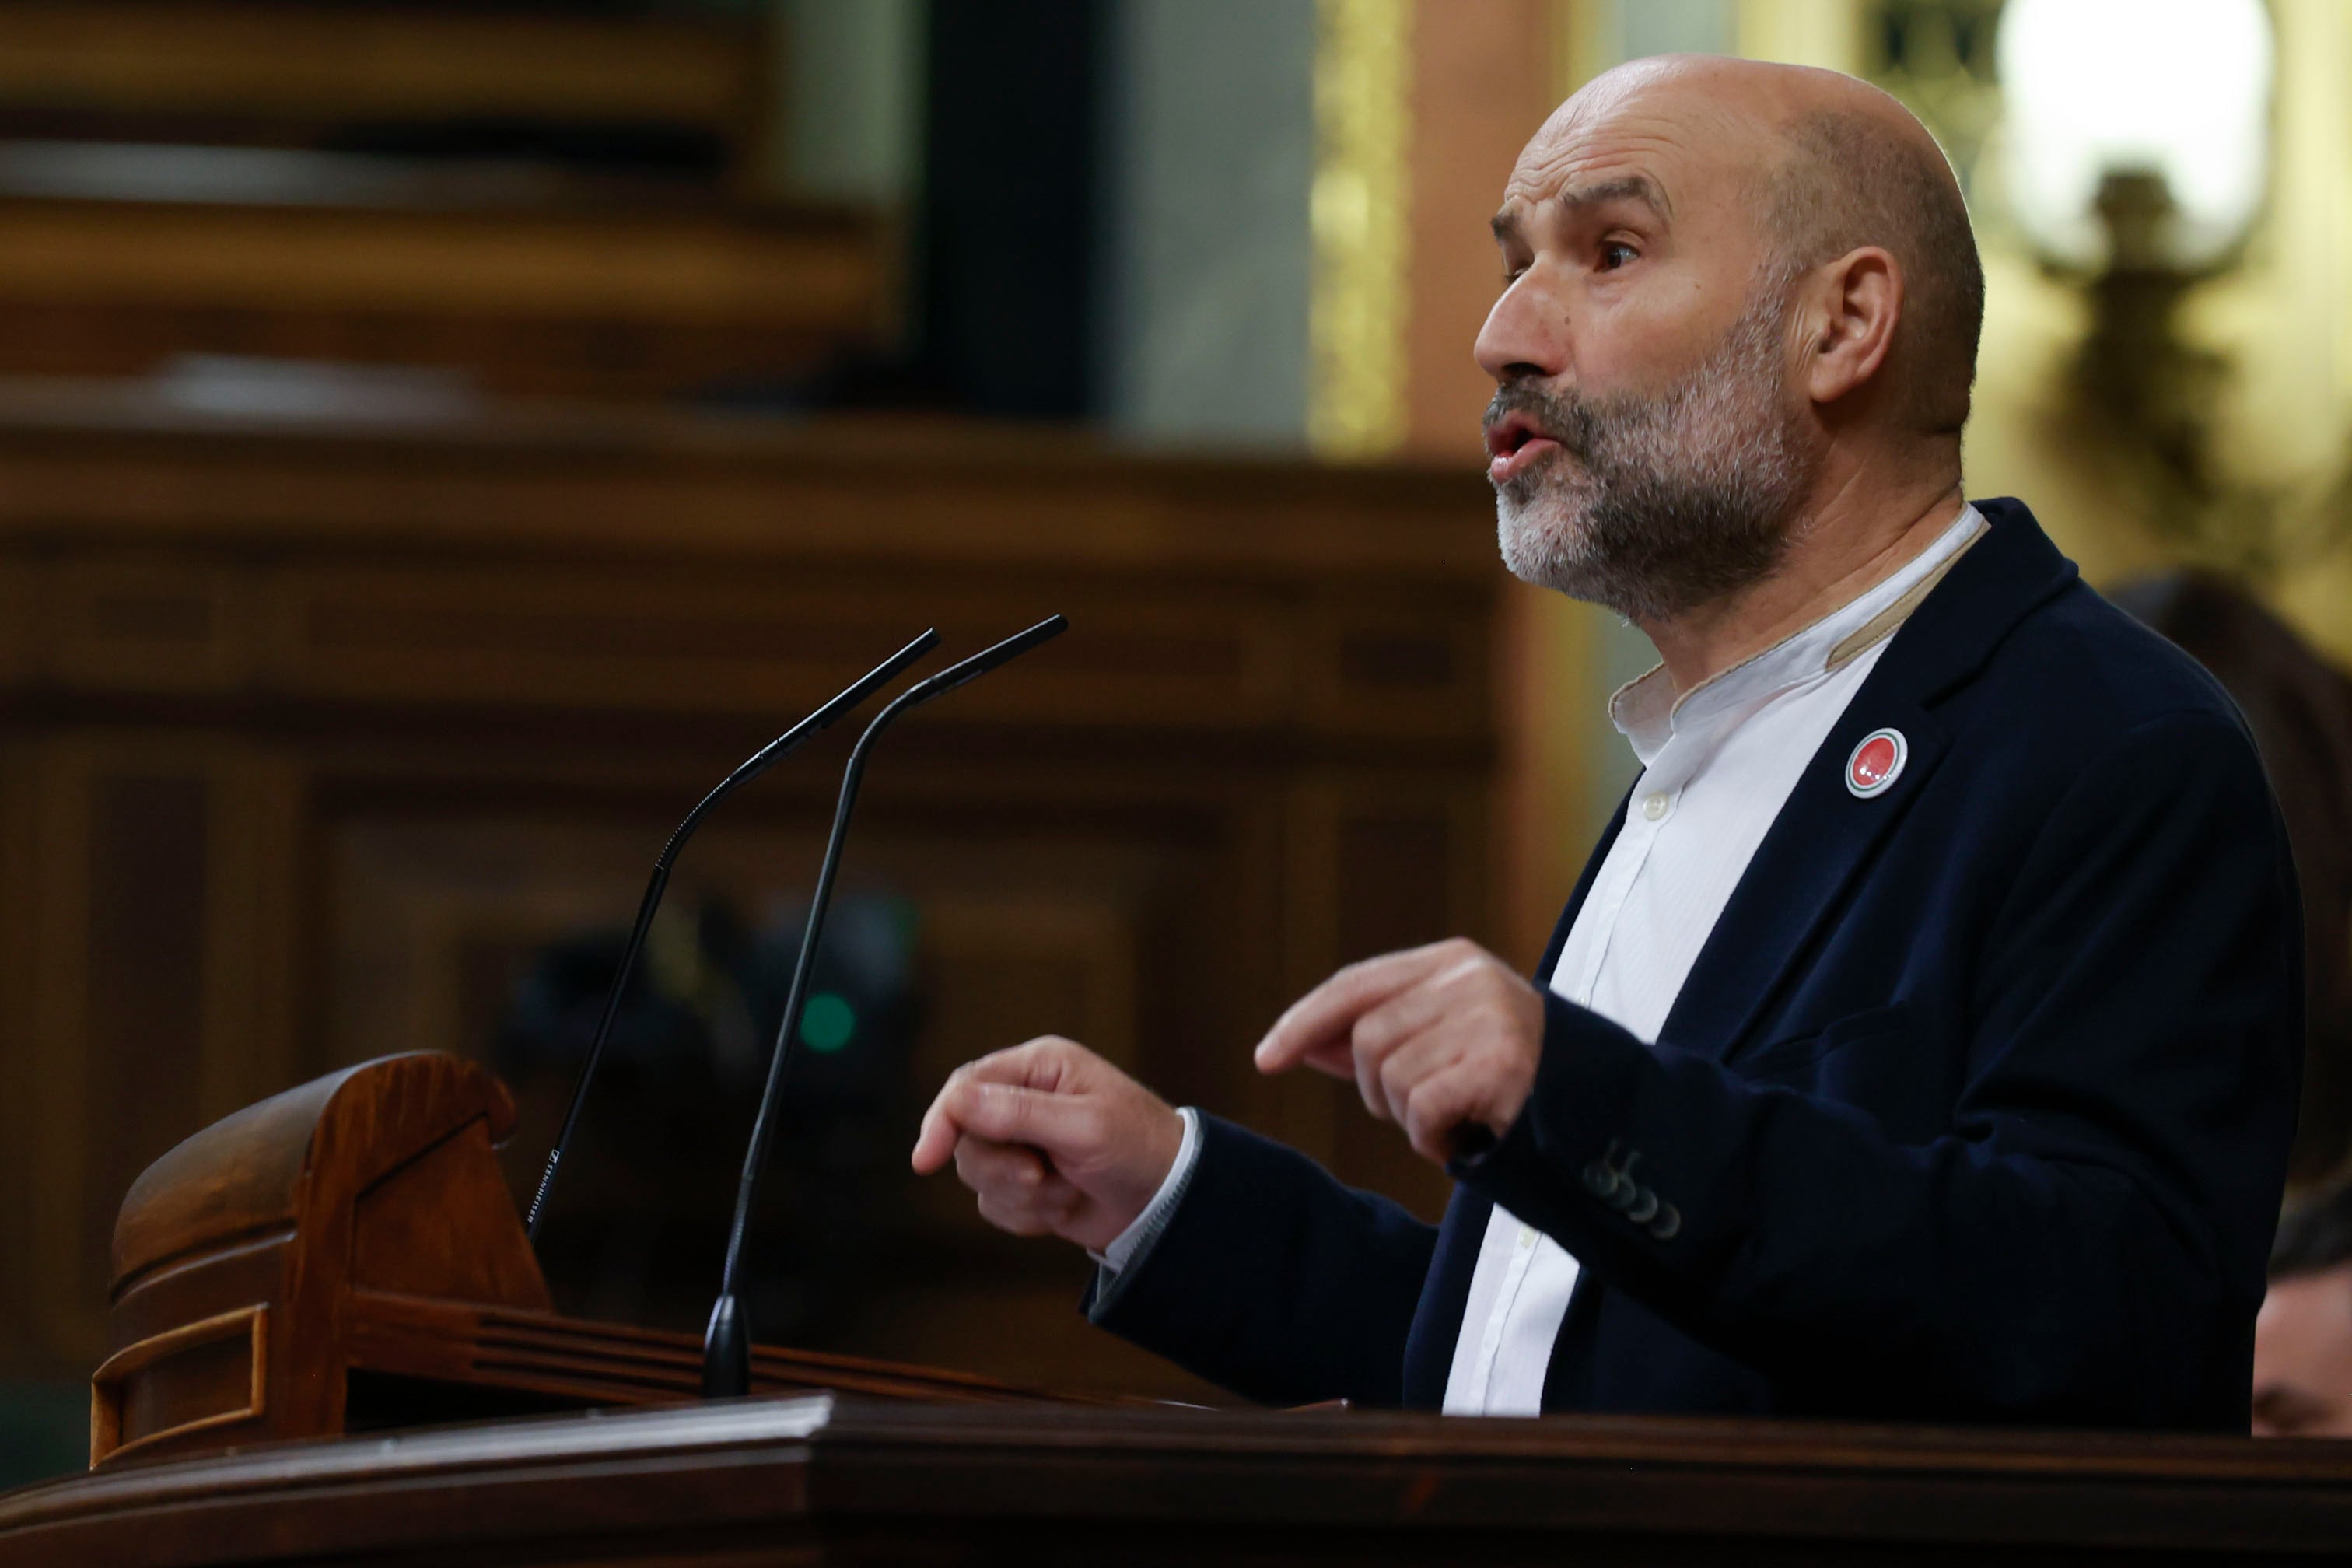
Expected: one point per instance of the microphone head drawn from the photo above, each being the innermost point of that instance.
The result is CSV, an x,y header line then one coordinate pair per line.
x,y
988,659
785,745
874,679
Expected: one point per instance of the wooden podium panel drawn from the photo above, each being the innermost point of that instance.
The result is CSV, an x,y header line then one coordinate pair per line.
x,y
818,1480
344,1256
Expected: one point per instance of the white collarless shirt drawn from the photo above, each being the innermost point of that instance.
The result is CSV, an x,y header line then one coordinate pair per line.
x,y
1717,768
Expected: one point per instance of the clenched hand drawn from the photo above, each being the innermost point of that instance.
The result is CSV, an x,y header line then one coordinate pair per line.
x,y
1053,1140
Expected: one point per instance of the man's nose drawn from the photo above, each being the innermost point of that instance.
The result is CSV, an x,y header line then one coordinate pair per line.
x,y
1526,334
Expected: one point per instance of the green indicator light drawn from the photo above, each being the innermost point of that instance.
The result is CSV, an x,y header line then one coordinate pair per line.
x,y
827,1022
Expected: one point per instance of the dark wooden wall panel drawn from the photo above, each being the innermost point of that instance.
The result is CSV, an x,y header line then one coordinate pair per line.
x,y
312,745
21,1067
143,979
56,1116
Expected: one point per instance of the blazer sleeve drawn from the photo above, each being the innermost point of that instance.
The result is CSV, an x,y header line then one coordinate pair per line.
x,y
1274,1280
2086,1242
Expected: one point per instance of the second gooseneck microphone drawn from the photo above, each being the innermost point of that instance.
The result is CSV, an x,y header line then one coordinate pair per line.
x,y
726,1346
759,762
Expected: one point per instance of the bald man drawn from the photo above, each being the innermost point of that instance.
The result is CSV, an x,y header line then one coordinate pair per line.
x,y
1920,1042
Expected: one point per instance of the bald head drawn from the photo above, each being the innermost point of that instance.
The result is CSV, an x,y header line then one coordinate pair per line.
x,y
1826,164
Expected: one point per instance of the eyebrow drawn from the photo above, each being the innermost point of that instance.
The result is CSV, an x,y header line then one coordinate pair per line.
x,y
1627,188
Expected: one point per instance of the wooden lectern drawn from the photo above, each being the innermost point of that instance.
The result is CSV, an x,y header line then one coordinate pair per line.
x,y
345,1258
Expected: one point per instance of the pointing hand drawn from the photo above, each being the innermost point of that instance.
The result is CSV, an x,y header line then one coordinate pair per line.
x,y
1441,1041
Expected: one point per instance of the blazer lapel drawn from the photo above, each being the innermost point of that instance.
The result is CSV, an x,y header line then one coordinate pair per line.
x,y
1822,837
1826,834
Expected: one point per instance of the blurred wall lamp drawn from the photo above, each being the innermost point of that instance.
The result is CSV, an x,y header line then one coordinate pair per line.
x,y
2137,156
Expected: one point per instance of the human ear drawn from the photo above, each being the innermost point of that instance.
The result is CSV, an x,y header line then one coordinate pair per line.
x,y
1854,305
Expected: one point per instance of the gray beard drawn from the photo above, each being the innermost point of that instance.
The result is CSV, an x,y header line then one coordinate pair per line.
x,y
1658,504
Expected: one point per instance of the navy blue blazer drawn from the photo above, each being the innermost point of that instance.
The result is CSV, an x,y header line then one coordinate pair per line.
x,y
1975,1106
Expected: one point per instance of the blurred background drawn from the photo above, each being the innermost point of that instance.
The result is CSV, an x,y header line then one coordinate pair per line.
x,y
438,440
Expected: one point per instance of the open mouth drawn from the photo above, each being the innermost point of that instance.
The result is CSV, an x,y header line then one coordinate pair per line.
x,y
1515,442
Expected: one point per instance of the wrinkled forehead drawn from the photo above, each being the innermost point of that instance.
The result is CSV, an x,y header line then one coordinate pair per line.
x,y
1699,155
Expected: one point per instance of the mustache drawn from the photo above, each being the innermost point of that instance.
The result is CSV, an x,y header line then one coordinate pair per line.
x,y
1571,420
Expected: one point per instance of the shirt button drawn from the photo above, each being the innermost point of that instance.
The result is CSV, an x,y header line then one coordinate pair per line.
x,y
1527,1236
1653,805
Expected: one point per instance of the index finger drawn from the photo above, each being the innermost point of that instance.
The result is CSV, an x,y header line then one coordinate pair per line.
x,y
1054,1124
1319,1021
1027,1068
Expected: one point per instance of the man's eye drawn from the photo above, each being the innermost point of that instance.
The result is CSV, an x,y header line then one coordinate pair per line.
x,y
1616,254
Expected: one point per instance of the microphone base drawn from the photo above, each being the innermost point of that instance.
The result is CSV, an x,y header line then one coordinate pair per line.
x,y
727,1351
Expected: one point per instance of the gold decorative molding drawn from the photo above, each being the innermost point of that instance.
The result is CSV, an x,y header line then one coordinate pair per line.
x,y
1827,33
1587,38
1358,302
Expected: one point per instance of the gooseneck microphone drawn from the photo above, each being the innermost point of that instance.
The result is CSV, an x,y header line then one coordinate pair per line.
x,y
766,757
726,1346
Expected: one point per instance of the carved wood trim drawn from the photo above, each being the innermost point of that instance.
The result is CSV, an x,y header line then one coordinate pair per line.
x,y
107,1384
615,1363
327,61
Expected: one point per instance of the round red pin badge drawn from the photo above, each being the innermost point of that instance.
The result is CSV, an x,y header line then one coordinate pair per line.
x,y
1876,763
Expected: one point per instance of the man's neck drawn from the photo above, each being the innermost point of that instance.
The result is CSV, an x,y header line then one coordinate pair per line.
x,y
1836,553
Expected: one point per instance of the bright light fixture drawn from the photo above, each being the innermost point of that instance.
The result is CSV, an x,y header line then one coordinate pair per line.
x,y
2176,87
